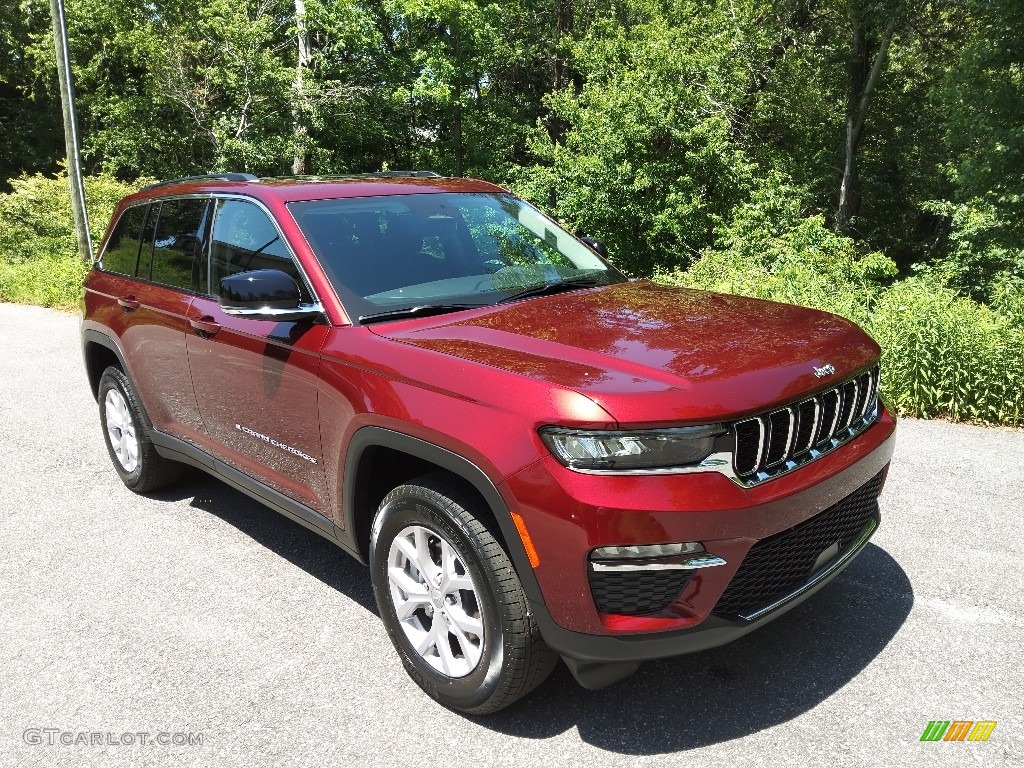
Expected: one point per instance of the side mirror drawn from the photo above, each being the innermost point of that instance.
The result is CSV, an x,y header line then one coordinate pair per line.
x,y
595,245
265,294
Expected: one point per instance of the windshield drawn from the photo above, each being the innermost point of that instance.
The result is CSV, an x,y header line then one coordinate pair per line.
x,y
398,255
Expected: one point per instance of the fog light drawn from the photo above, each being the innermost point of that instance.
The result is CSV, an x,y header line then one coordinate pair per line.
x,y
646,550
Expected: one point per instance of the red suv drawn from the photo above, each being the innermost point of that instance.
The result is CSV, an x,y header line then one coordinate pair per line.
x,y
537,457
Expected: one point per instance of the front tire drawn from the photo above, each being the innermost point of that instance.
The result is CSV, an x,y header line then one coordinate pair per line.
x,y
451,601
126,435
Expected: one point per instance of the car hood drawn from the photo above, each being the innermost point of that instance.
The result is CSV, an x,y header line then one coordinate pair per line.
x,y
652,354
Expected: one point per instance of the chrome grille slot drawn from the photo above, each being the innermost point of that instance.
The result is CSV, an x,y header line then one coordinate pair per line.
x,y
872,392
780,430
749,441
829,414
863,383
847,397
776,442
806,423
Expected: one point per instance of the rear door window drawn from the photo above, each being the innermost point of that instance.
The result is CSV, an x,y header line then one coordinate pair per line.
x,y
178,245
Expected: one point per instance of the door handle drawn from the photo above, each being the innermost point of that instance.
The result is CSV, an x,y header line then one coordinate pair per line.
x,y
205,325
128,303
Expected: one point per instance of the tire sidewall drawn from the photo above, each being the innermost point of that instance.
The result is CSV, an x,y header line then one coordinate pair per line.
x,y
475,689
114,379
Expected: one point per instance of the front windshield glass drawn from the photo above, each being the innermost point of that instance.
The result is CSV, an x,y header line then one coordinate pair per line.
x,y
386,255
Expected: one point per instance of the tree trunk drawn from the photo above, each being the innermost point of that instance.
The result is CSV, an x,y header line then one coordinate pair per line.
x,y
457,102
564,24
300,132
862,85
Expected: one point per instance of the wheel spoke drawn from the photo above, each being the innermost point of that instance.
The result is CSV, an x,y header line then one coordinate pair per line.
x,y
427,640
113,416
413,593
444,648
470,650
407,583
424,563
408,549
465,622
451,579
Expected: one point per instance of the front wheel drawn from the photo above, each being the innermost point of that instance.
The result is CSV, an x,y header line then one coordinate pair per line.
x,y
451,601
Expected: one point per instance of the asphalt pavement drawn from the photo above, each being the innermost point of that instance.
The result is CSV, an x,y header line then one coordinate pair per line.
x,y
195,627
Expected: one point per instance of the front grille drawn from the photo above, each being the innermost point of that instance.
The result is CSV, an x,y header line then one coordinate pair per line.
x,y
633,592
779,565
777,441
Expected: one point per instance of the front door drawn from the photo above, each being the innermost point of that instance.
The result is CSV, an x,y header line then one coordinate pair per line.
x,y
256,380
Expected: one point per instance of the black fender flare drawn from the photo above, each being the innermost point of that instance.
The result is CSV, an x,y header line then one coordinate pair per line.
x,y
90,336
369,436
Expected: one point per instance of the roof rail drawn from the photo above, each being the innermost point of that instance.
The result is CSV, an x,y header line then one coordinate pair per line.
x,y
206,177
376,175
400,174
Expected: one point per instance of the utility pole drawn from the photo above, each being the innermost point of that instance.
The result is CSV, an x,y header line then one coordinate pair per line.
x,y
67,100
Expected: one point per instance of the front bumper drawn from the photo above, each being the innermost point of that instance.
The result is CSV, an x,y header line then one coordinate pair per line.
x,y
569,514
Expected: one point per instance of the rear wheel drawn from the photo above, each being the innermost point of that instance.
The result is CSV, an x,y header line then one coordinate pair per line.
x,y
125,432
451,601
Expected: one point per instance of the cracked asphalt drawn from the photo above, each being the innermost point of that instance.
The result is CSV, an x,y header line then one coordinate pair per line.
x,y
197,615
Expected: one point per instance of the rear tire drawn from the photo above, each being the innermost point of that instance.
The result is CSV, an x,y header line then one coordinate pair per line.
x,y
127,437
451,601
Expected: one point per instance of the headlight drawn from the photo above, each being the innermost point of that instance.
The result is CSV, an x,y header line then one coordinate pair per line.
x,y
628,450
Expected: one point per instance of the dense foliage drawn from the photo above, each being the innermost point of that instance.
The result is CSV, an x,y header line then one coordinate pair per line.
x,y
862,156
39,262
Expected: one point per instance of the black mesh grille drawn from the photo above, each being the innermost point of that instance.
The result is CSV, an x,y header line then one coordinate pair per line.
x,y
769,436
632,592
778,565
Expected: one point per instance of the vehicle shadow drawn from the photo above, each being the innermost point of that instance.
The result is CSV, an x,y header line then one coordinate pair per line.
x,y
766,678
312,553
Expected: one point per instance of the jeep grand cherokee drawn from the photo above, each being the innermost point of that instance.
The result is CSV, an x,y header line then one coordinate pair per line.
x,y
536,457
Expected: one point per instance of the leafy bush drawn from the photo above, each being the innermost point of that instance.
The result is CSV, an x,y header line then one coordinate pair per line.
x,y
943,354
949,355
39,261
771,250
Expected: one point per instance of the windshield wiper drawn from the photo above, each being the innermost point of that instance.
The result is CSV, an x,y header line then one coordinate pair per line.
x,y
420,310
546,289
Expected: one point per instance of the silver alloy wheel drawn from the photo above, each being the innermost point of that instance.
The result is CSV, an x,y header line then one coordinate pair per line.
x,y
121,430
435,600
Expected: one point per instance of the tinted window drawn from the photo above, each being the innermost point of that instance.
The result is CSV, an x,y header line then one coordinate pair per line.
x,y
146,251
122,251
244,239
177,252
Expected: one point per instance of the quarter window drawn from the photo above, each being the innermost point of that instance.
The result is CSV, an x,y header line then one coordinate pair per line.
x,y
122,252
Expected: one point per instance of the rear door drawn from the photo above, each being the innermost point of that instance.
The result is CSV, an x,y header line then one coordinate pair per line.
x,y
256,380
158,249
